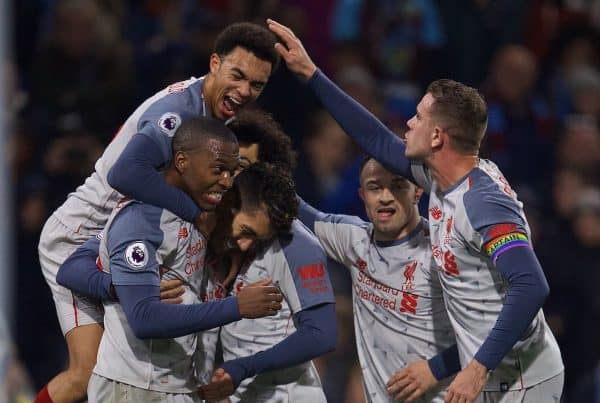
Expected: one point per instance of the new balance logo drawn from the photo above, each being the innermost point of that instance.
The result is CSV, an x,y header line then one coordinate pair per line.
x,y
183,233
435,212
315,270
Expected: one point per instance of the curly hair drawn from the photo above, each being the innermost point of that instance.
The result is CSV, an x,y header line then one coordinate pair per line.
x,y
264,185
252,125
252,37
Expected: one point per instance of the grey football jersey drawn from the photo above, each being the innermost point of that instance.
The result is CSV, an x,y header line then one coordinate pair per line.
x,y
158,118
399,313
137,239
471,224
297,264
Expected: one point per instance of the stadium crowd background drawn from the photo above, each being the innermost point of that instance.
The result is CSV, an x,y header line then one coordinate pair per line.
x,y
80,67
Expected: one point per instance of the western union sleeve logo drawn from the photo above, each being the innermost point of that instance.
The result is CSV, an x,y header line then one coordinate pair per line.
x,y
505,242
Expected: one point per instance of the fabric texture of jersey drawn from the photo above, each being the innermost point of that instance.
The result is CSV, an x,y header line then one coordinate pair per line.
x,y
471,223
137,239
304,282
399,312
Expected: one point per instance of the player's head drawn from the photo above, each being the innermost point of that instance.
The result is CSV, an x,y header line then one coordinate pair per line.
x,y
390,201
450,113
205,157
261,205
243,59
262,139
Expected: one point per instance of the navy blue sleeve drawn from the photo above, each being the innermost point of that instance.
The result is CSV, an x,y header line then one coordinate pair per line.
x,y
360,124
526,294
308,214
80,273
315,335
446,363
135,174
150,318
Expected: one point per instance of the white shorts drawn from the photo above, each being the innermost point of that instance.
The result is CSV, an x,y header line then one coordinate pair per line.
x,y
104,390
549,391
57,242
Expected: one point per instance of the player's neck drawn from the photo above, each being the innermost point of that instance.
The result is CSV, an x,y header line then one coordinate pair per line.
x,y
448,167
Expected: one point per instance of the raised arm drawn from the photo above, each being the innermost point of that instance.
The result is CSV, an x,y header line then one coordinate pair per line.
x,y
360,124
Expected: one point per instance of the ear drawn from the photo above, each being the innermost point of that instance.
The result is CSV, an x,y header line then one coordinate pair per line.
x,y
361,193
437,137
215,63
181,162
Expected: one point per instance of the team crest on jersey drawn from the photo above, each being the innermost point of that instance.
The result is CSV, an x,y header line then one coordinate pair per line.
x,y
169,122
136,255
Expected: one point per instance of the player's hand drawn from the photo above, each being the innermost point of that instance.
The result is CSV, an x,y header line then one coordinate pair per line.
x,y
259,299
206,223
468,384
170,290
292,51
411,382
220,386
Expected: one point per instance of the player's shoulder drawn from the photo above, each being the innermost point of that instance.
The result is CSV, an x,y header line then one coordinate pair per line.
x,y
489,198
300,243
136,219
170,106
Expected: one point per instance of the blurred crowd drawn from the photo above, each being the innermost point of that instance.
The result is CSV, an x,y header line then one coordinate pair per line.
x,y
80,67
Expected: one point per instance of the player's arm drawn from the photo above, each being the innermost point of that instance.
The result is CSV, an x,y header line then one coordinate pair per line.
x,y
336,232
502,237
135,174
315,335
364,128
81,274
527,291
136,281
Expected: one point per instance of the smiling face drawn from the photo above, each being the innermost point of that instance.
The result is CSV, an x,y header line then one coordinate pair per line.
x,y
207,172
390,201
235,79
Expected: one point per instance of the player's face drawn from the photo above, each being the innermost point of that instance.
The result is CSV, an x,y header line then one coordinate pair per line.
x,y
389,201
237,79
208,172
239,229
250,227
421,132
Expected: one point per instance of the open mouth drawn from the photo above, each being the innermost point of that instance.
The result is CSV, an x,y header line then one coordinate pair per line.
x,y
231,105
385,213
214,197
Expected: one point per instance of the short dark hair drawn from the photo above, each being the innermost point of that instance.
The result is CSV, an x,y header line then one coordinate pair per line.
x,y
463,110
194,132
254,125
265,185
252,37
